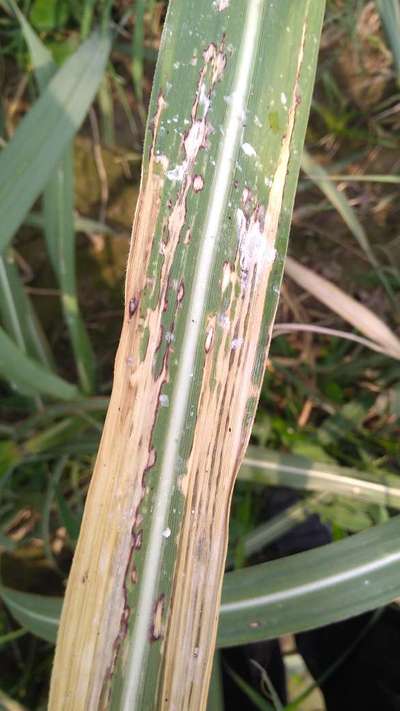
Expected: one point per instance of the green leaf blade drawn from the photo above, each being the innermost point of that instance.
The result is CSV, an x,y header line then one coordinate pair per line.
x,y
312,589
28,375
39,141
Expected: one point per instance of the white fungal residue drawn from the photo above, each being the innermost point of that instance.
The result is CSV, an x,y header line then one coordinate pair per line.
x,y
248,149
283,99
176,174
254,247
166,532
221,5
236,343
224,321
164,400
163,160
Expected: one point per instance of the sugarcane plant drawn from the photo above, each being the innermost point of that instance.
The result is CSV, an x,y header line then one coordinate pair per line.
x,y
227,118
224,136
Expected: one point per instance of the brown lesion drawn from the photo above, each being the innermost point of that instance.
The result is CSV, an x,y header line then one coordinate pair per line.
x,y
157,624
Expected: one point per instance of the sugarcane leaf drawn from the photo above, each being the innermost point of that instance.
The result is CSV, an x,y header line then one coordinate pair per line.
x,y
390,14
304,591
37,613
58,212
264,466
319,176
41,57
312,589
40,139
18,315
203,278
28,375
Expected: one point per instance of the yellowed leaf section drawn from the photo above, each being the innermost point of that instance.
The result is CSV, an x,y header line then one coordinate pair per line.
x,y
95,613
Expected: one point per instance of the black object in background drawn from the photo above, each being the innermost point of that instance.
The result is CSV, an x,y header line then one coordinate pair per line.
x,y
367,679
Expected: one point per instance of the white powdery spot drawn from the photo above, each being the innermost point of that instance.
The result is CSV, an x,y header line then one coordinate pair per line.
x,y
195,139
204,99
257,122
221,5
224,321
177,173
166,532
236,343
164,400
163,160
283,99
248,149
254,247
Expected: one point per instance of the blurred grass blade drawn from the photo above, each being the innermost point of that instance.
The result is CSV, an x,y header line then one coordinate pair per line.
x,y
257,700
301,592
203,279
297,703
389,11
28,375
281,328
345,306
87,17
58,212
279,525
57,470
263,466
106,105
37,613
138,54
215,701
312,589
361,178
41,57
9,704
81,224
18,316
38,143
339,201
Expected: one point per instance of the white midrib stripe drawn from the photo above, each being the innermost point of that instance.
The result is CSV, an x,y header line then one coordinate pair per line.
x,y
225,166
313,586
